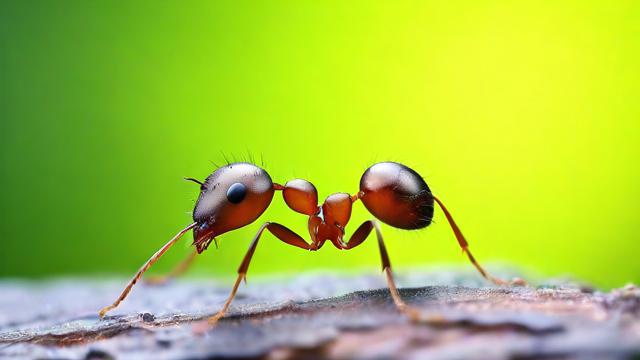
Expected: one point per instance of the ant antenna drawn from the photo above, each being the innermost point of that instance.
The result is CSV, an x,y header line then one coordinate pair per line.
x,y
194,180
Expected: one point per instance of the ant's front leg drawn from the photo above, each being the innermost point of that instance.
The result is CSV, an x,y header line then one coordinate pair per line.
x,y
279,231
358,237
180,269
144,268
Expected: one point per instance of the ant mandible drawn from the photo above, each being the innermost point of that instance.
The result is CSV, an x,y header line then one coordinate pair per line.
x,y
235,195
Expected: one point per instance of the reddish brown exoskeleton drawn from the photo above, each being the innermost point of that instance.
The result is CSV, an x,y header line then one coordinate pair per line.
x,y
237,194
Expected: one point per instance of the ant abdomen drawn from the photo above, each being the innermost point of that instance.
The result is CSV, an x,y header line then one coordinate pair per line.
x,y
397,195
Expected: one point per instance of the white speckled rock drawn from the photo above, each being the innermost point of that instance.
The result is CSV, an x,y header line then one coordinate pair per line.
x,y
318,316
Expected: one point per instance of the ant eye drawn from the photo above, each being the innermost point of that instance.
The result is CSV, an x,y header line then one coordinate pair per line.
x,y
236,193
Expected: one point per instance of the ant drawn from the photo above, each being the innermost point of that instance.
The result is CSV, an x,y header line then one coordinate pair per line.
x,y
235,195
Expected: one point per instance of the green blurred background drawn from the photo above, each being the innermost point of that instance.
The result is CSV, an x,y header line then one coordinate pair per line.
x,y
522,116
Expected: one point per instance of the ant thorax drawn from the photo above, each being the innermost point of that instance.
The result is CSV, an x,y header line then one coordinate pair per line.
x,y
329,221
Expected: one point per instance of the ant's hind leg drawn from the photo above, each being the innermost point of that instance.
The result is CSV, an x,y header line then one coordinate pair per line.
x,y
144,268
180,269
465,248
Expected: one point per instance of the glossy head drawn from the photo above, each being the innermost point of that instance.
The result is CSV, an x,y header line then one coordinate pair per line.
x,y
232,197
397,196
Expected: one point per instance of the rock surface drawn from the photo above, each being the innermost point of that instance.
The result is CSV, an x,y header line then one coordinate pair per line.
x,y
319,316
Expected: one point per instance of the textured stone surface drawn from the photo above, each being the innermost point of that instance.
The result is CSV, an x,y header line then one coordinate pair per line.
x,y
317,316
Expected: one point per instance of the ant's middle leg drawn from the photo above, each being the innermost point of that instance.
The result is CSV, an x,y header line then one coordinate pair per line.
x,y
279,231
180,269
358,237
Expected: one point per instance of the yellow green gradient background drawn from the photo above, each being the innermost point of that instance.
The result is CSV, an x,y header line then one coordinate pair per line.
x,y
523,117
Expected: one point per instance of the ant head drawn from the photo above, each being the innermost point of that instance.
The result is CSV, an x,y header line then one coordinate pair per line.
x,y
231,197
